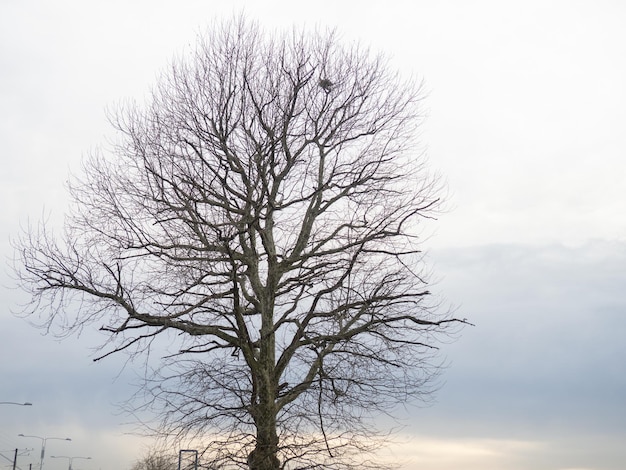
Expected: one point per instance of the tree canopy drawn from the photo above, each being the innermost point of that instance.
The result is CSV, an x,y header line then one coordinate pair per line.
x,y
266,205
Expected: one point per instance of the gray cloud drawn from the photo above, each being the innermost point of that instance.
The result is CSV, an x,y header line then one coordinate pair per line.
x,y
546,357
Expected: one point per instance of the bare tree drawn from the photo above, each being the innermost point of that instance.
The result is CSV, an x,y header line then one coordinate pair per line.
x,y
266,205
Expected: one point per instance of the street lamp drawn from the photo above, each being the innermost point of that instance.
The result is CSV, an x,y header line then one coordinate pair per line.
x,y
15,403
43,445
70,459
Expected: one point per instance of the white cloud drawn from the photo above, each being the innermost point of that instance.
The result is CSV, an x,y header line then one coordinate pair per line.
x,y
425,452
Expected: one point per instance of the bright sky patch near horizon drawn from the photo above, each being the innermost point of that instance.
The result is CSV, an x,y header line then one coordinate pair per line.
x,y
527,111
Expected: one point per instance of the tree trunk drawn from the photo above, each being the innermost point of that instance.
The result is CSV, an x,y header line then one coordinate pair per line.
x,y
264,455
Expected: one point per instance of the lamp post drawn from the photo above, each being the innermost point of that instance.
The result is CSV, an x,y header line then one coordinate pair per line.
x,y
43,445
26,403
70,459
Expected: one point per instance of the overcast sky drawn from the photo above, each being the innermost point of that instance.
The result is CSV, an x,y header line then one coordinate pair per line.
x,y
527,119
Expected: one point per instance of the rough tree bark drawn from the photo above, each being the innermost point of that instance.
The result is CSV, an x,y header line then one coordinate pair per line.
x,y
266,204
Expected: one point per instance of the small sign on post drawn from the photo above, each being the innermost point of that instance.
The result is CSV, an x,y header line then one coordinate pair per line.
x,y
190,461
